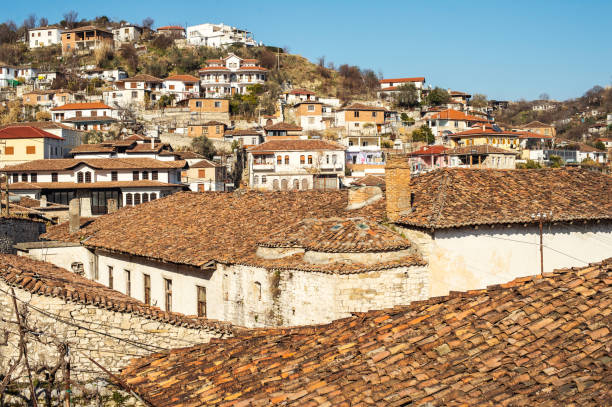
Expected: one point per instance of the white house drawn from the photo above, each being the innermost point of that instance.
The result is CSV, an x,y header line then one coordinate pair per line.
x,y
182,87
128,181
295,165
127,33
390,86
85,116
44,36
218,35
230,75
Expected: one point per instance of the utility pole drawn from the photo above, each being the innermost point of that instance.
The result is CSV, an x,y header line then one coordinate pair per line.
x,y
67,376
540,217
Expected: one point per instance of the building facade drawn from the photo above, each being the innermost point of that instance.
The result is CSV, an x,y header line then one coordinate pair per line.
x,y
44,36
230,75
218,35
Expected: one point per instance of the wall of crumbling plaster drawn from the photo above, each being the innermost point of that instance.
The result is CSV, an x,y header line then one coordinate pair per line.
x,y
92,335
64,257
17,230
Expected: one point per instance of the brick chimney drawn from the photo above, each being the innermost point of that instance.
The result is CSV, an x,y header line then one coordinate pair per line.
x,y
74,215
397,180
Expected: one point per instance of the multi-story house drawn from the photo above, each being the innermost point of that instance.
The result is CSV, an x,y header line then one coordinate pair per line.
x,y
482,156
137,90
309,115
295,165
127,33
540,128
205,176
230,75
294,96
47,98
218,35
19,144
10,75
245,137
283,131
486,134
72,137
85,116
182,87
390,86
450,121
95,181
45,36
361,120
85,39
210,129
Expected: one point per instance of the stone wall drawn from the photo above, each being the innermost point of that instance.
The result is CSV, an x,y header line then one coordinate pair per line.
x,y
18,230
89,331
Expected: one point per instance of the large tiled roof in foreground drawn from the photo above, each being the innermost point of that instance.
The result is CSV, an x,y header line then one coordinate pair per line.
x,y
455,197
60,164
534,341
42,278
199,229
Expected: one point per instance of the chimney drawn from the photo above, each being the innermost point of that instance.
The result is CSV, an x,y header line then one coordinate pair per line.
x,y
363,196
397,180
43,201
111,205
74,215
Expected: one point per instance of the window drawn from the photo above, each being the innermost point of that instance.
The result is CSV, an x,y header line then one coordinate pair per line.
x,y
334,158
309,159
201,173
255,180
302,159
217,104
15,177
30,149
133,85
88,177
201,301
136,199
134,94
286,160
456,124
168,294
114,176
110,277
154,175
145,175
257,290
311,108
152,196
198,104
24,177
147,288
33,177
135,175
224,287
128,282
9,150
279,159
145,197
128,199
355,114
79,177
253,140
263,179
373,114
94,113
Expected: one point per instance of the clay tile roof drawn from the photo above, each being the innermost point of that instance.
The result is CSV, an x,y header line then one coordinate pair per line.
x,y
451,114
370,181
528,134
78,106
42,278
283,126
243,132
92,148
361,106
42,125
182,78
488,130
479,149
143,183
142,78
429,150
213,123
535,341
20,132
100,163
535,124
455,197
300,91
187,155
401,80
206,164
200,229
87,28
171,27
213,68
296,145
338,235
82,119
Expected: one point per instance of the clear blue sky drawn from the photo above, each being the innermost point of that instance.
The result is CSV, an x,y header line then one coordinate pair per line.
x,y
504,49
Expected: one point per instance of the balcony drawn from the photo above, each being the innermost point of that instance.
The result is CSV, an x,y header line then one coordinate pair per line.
x,y
263,166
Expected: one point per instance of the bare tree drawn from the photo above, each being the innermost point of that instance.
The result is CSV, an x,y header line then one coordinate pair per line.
x,y
147,23
30,22
71,18
544,96
43,22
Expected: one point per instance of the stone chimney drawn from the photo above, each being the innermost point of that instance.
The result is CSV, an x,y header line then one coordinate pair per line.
x,y
74,215
397,180
111,205
363,196
43,201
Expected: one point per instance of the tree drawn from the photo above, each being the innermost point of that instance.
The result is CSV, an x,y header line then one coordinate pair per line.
x,y
70,18
407,96
30,22
437,97
544,96
479,100
8,32
600,146
555,161
130,56
423,133
202,145
43,22
148,23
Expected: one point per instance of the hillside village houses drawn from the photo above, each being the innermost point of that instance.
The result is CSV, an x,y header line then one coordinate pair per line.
x,y
218,35
389,86
48,98
449,121
11,75
45,36
127,33
230,75
175,31
85,39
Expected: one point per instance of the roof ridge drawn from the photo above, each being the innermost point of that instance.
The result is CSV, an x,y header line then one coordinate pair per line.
x,y
439,203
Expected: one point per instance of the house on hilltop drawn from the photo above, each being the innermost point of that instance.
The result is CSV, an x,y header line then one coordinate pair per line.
x,y
231,75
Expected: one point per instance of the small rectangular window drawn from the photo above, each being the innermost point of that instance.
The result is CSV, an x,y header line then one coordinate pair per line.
x,y
9,150
201,301
135,175
54,177
30,149
356,114
15,177
217,104
114,176
110,277
128,282
145,175
33,177
168,294
147,288
154,175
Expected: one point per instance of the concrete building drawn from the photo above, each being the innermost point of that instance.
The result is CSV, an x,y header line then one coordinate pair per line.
x,y
21,144
218,35
45,36
85,116
485,134
309,115
174,31
71,137
205,175
127,33
361,120
85,39
181,87
450,121
225,77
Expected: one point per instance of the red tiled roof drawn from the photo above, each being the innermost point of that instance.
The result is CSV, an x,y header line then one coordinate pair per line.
x,y
171,27
19,132
100,163
85,119
536,124
488,130
252,68
214,68
401,80
296,145
87,28
370,180
535,341
78,106
41,125
361,106
243,132
282,126
451,114
141,78
182,78
479,149
456,197
45,279
143,183
429,150
206,164
300,91
528,134
93,148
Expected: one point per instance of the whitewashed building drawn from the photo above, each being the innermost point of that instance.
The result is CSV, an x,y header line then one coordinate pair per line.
x,y
218,35
230,75
182,87
44,36
85,116
127,33
295,165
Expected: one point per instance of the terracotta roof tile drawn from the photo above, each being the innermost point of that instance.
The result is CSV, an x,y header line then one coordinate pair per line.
x,y
20,132
429,150
283,126
42,125
142,78
78,106
479,149
401,80
88,185
171,27
182,78
101,163
206,164
361,106
370,180
451,114
534,341
296,145
42,278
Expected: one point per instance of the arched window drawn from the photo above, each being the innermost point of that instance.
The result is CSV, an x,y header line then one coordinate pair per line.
x,y
302,159
263,179
296,184
88,177
256,180
309,159
284,184
257,290
279,159
304,184
152,196
275,185
79,177
145,197
128,199
136,199
286,160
